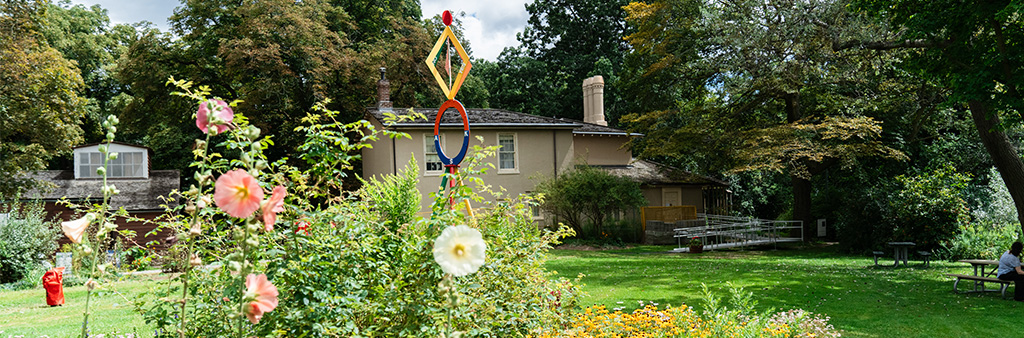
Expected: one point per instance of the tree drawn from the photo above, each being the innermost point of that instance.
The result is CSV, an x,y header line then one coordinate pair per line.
x,y
39,97
973,48
562,44
591,195
280,58
758,87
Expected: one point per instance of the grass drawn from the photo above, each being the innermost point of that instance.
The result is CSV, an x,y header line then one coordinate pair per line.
x,y
25,313
861,299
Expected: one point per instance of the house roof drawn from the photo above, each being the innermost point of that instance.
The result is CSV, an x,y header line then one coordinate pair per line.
x,y
495,118
115,142
478,118
653,173
136,193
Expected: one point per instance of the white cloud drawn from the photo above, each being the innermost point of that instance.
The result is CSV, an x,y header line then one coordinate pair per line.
x,y
122,11
490,25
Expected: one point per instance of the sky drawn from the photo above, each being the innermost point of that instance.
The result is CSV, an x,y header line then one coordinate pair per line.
x,y
491,25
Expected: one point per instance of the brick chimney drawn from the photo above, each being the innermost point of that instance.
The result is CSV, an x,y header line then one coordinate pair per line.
x,y
593,100
383,92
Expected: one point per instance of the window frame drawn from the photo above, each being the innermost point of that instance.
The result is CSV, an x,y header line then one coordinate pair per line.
x,y
88,170
428,143
515,153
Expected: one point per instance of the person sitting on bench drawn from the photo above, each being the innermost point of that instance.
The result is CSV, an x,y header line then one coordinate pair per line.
x,y
1009,269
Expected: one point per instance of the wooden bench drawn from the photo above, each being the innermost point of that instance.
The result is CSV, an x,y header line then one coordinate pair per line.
x,y
982,279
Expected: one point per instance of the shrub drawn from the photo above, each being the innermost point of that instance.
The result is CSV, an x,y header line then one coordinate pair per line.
x,y
984,240
26,238
589,195
929,209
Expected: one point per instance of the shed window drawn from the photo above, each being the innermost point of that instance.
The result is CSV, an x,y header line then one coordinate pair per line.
x,y
127,164
507,153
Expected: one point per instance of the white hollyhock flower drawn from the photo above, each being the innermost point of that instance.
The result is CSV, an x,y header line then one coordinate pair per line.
x,y
460,250
74,229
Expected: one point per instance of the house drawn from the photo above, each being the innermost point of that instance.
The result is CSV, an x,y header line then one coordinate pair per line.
x,y
141,188
532,148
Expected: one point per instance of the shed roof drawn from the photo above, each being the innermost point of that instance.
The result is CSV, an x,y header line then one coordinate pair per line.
x,y
653,173
136,193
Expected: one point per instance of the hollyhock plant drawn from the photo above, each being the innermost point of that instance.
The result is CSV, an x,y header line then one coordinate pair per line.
x,y
264,297
237,193
273,206
460,250
219,119
75,228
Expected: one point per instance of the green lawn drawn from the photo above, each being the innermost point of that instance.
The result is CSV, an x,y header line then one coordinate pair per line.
x,y
861,299
25,313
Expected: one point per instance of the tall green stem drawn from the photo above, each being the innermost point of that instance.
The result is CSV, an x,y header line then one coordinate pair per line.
x,y
188,245
102,220
241,274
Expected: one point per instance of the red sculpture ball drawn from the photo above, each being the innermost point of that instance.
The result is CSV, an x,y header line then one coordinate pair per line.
x,y
446,17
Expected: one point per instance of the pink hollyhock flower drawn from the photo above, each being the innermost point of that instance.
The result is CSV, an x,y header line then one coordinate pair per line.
x,y
264,295
237,193
74,229
222,115
273,206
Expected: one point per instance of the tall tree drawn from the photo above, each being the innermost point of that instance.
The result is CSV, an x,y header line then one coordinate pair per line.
x,y
759,88
563,43
976,49
40,103
279,57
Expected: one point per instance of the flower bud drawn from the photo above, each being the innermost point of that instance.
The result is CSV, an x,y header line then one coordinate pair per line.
x,y
195,261
86,250
245,158
112,156
103,148
203,202
112,129
101,171
195,230
261,164
234,266
110,136
256,147
252,241
200,144
92,285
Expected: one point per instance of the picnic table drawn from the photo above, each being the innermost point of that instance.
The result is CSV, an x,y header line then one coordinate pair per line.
x,y
900,251
982,273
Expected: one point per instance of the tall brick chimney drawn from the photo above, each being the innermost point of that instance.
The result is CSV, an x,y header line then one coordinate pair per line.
x,y
383,92
593,100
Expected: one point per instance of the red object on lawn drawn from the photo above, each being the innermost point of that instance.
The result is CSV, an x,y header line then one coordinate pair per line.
x,y
53,282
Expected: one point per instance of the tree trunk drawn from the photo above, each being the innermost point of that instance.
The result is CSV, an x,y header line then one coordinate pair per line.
x,y
801,185
1003,153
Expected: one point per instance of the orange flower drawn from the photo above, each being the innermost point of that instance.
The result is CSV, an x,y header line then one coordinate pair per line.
x,y
237,193
273,206
264,296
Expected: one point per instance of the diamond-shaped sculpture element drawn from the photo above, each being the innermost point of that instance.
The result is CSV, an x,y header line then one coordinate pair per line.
x,y
463,72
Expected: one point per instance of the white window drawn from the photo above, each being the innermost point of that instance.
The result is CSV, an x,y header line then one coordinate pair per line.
x,y
507,152
127,164
431,161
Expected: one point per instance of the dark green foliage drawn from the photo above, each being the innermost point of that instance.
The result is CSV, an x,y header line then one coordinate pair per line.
x,y
587,195
565,41
26,239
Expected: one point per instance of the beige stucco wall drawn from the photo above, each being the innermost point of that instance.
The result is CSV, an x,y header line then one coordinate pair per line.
x,y
538,154
602,149
653,195
379,159
693,196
